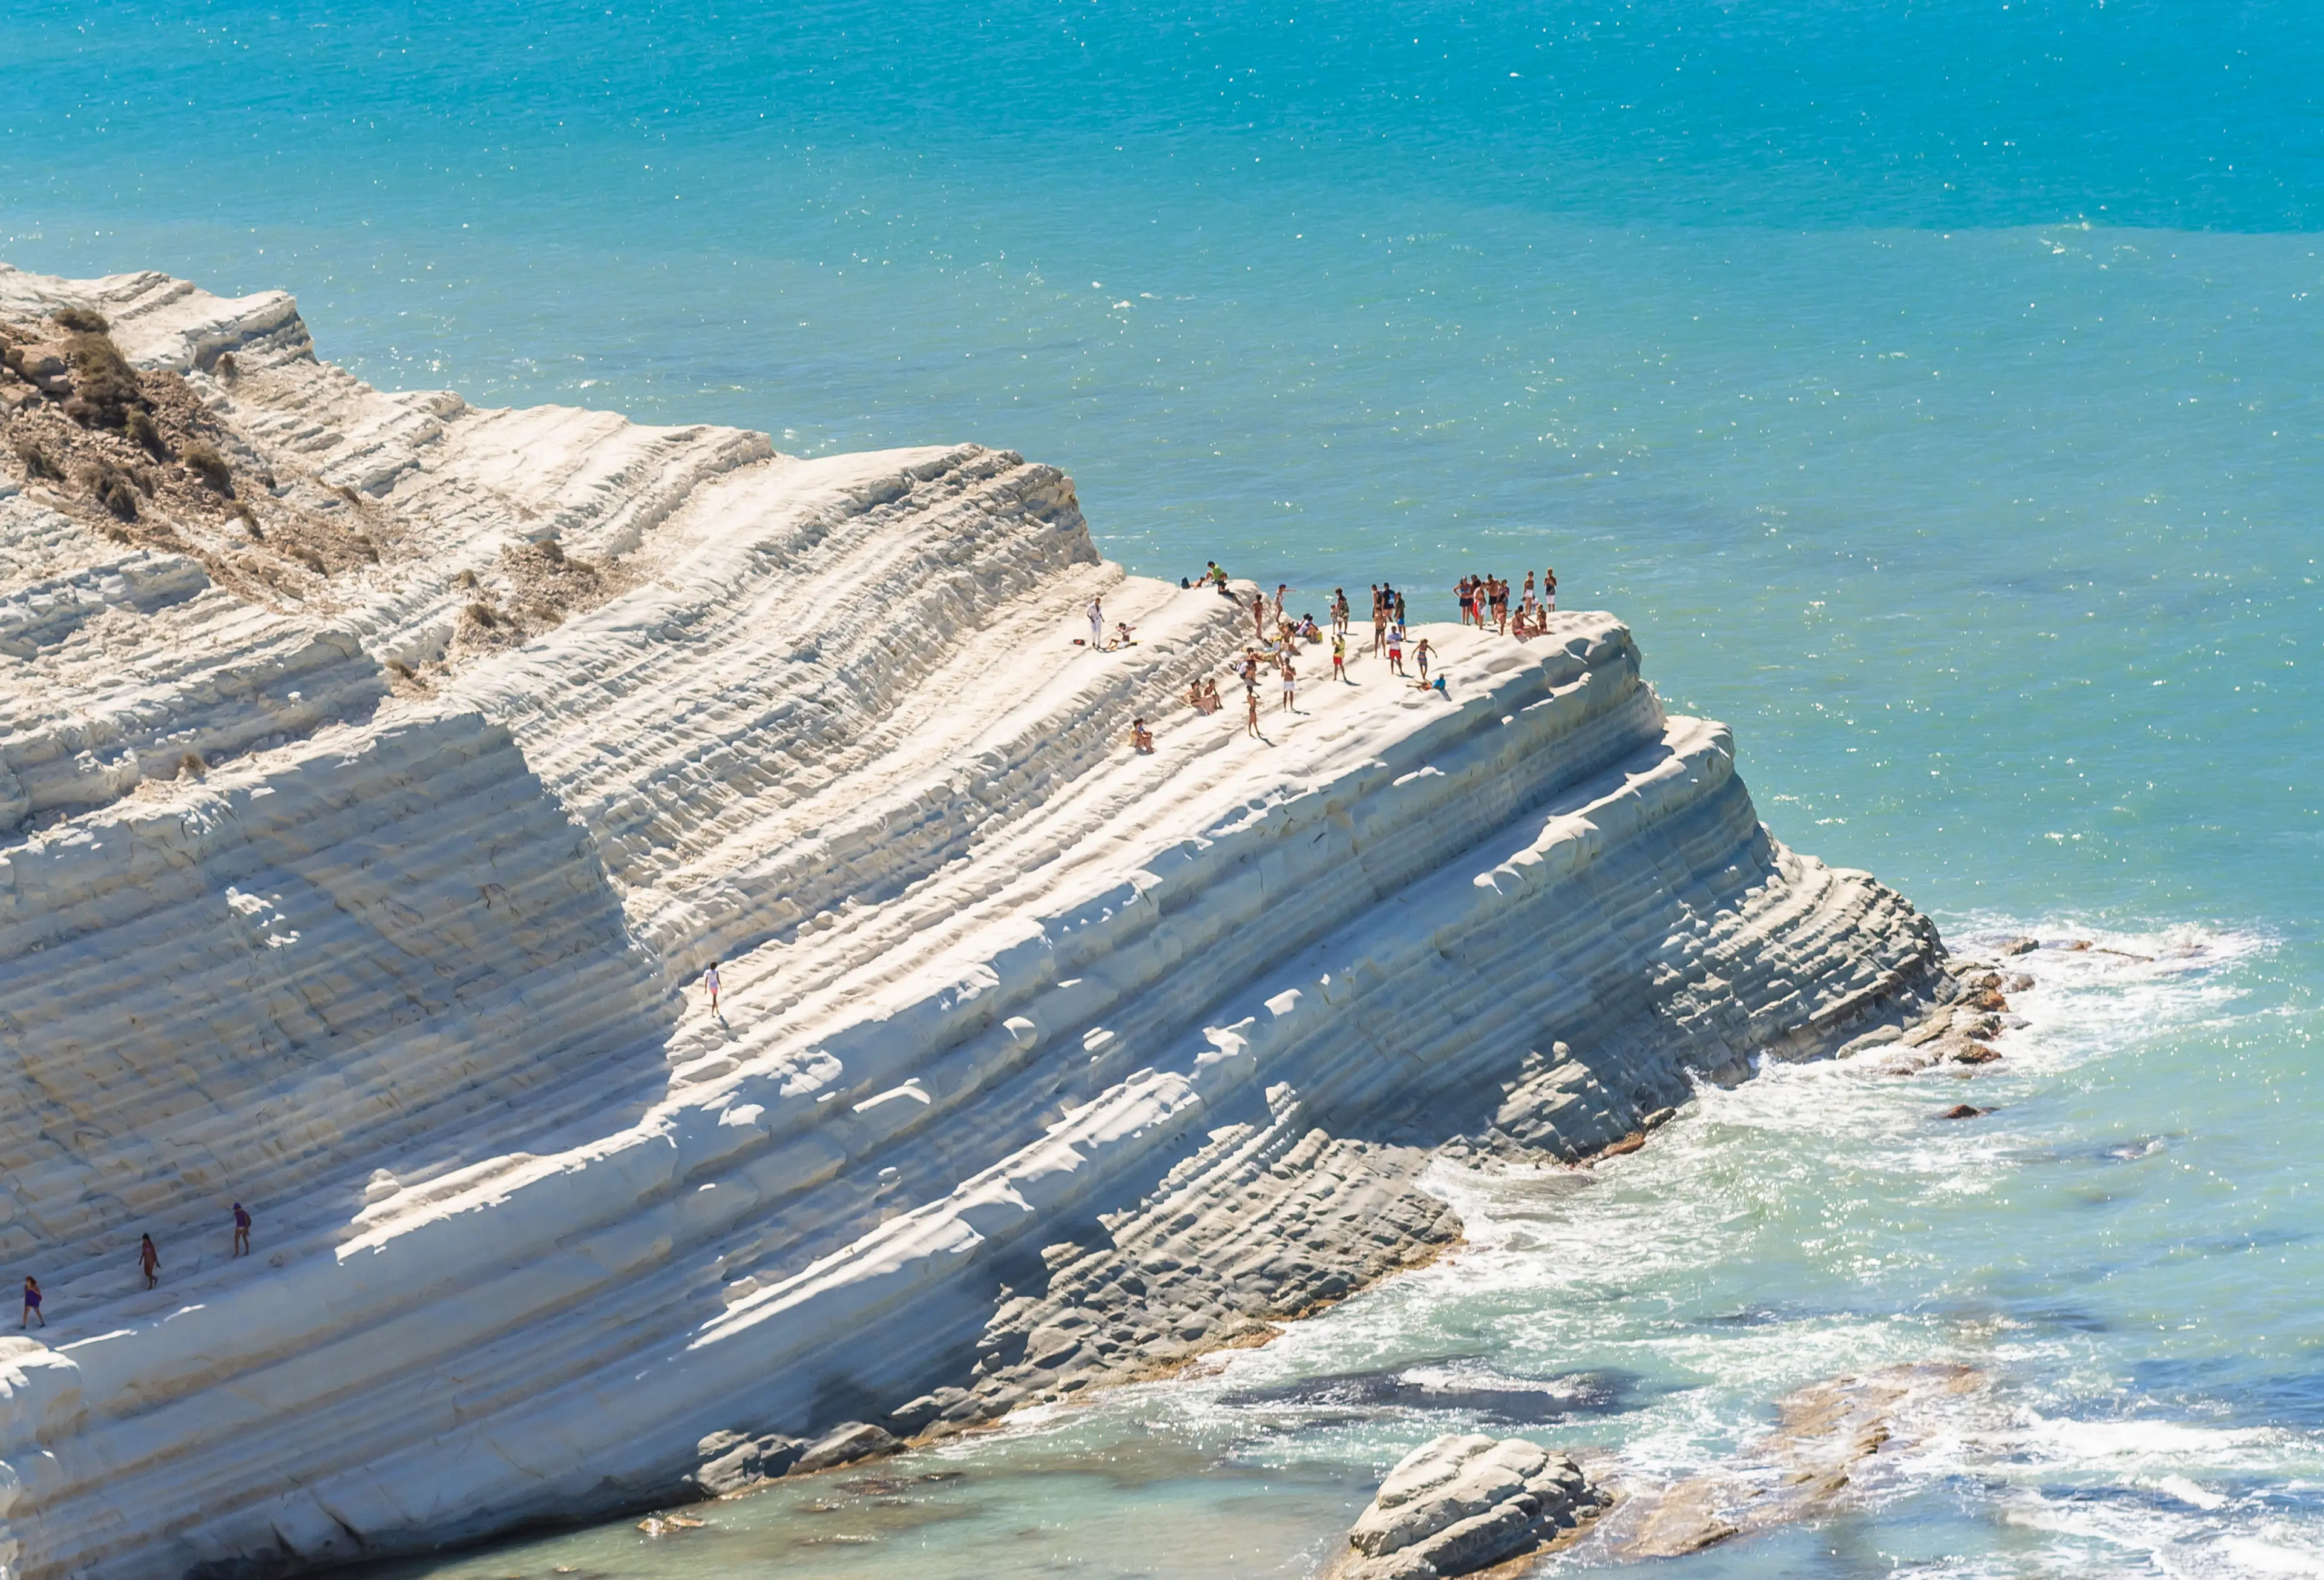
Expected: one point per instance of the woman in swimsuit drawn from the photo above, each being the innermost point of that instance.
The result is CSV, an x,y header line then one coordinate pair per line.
x,y
32,1304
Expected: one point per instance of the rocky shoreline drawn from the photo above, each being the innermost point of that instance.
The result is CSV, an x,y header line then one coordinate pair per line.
x,y
1277,1235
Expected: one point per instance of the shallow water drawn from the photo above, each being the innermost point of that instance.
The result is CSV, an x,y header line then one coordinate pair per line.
x,y
1932,387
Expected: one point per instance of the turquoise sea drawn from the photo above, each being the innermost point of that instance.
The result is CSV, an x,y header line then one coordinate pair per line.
x,y
1934,387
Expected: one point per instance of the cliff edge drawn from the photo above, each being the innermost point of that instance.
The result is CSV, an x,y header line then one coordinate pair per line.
x,y
378,773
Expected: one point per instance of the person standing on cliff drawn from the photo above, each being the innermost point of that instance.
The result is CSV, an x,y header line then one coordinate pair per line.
x,y
1258,617
1380,622
148,1261
1399,598
1251,703
241,1233
1548,589
710,981
1339,655
1097,624
32,1304
1395,648
1420,657
1339,611
1290,686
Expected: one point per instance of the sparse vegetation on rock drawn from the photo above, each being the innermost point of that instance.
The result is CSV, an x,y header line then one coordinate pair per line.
x,y
146,433
38,463
111,487
208,465
105,386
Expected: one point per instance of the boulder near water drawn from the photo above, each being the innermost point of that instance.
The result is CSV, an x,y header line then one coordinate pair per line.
x,y
1458,1503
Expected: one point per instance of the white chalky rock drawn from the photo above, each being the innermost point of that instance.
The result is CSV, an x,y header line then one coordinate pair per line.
x,y
1457,1503
407,963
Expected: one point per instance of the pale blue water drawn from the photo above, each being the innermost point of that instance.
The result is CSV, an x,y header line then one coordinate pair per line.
x,y
1934,387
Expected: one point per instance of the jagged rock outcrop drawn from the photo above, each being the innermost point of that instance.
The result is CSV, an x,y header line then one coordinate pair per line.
x,y
1460,1503
369,885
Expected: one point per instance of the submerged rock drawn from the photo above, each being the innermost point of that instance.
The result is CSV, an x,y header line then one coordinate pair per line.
x,y
1831,1438
1457,1503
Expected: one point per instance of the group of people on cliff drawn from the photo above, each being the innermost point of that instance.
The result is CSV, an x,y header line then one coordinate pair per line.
x,y
1484,601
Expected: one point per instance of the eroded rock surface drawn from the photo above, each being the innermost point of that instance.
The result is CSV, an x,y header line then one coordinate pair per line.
x,y
1460,1503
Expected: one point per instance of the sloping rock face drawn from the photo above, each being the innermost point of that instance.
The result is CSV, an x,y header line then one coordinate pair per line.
x,y
368,819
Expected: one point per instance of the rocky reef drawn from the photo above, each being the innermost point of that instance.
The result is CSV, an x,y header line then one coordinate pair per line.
x,y
379,773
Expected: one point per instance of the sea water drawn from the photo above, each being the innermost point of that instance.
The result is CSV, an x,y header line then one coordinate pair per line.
x,y
1931,386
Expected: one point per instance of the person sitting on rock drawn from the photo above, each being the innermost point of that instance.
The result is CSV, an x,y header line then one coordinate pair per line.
x,y
1142,739
1211,703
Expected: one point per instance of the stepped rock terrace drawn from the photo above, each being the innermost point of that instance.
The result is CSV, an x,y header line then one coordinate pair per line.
x,y
368,819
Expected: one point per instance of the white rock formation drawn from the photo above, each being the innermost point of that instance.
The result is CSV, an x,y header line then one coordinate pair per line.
x,y
1460,1503
373,896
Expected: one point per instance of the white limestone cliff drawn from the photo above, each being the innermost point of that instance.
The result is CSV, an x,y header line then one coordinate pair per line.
x,y
363,834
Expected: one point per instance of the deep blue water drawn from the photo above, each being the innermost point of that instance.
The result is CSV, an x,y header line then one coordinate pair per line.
x,y
1934,386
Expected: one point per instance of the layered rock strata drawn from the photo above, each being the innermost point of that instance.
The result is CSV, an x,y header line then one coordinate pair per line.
x,y
369,884
1460,1503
